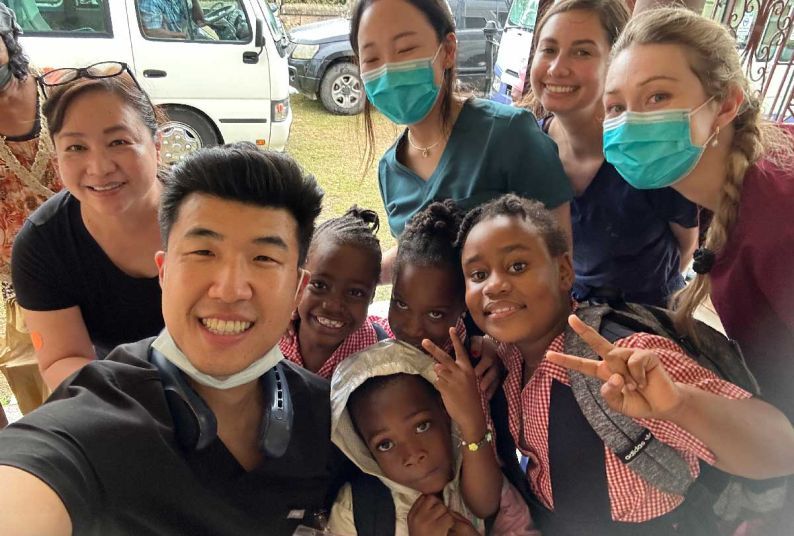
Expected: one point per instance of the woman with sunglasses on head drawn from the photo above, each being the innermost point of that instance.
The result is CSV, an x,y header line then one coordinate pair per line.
x,y
83,264
469,150
628,243
27,179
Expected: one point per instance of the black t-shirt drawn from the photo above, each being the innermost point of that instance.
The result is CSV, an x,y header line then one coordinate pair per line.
x,y
105,443
57,264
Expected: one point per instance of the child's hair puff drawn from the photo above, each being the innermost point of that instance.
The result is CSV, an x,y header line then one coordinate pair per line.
x,y
357,227
430,239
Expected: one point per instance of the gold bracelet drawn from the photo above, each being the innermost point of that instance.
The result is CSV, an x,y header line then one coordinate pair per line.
x,y
474,447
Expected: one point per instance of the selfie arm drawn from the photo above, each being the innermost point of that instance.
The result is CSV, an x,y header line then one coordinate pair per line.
x,y
32,509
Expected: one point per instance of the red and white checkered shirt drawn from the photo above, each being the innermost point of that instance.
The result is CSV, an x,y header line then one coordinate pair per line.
x,y
362,338
631,498
460,331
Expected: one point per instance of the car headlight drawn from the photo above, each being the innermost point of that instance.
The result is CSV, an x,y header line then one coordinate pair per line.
x,y
305,52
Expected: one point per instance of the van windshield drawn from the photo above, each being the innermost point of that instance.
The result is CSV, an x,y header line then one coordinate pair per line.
x,y
523,14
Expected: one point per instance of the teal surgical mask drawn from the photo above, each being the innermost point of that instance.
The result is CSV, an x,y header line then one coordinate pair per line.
x,y
406,91
652,149
5,76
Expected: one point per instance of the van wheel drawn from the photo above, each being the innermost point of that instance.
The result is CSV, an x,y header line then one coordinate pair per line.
x,y
341,90
184,132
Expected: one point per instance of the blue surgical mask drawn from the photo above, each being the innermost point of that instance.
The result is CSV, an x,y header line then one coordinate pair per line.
x,y
405,92
652,149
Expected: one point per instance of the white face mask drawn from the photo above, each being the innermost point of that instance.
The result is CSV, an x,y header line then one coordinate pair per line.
x,y
166,345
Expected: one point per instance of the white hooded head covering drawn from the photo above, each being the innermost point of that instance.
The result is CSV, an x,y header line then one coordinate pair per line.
x,y
383,359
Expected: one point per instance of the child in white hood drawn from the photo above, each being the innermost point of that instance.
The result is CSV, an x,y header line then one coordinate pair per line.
x,y
417,425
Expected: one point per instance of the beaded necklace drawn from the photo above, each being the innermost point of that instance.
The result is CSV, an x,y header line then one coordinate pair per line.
x,y
31,178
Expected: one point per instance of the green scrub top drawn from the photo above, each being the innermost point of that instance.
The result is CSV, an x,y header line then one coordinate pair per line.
x,y
493,149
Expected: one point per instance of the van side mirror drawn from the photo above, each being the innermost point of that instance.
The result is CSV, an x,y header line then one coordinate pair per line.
x,y
273,7
259,35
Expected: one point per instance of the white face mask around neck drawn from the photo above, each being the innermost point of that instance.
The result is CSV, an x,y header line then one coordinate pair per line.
x,y
166,346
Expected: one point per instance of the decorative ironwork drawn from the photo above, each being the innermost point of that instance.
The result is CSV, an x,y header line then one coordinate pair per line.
x,y
765,39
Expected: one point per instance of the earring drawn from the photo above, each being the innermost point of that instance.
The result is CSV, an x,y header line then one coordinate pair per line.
x,y
716,137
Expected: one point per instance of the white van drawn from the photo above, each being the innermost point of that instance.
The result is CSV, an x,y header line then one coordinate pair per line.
x,y
510,69
222,79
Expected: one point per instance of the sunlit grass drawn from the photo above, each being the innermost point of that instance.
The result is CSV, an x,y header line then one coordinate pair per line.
x,y
331,147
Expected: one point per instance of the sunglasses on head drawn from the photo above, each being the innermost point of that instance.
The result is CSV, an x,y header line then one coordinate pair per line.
x,y
97,71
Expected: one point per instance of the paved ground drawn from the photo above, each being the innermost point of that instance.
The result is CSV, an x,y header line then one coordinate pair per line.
x,y
6,398
12,411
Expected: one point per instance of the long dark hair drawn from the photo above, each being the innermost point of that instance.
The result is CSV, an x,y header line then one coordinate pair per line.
x,y
440,18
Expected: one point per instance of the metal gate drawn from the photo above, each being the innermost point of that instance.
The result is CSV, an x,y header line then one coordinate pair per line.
x,y
763,30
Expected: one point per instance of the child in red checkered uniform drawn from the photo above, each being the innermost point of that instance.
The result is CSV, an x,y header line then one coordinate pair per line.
x,y
518,273
331,322
428,289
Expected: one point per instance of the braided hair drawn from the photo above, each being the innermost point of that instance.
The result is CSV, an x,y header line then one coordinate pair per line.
x,y
357,227
429,240
528,210
713,58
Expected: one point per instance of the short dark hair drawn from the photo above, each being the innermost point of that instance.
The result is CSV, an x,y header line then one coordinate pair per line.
x,y
357,227
123,86
528,210
360,396
241,172
429,240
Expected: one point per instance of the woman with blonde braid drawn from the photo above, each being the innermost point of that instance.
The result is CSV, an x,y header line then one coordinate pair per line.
x,y
680,113
626,242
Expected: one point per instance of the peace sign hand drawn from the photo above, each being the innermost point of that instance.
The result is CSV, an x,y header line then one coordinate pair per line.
x,y
457,384
636,383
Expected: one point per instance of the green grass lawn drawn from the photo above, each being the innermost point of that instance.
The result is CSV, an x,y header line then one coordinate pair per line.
x,y
331,147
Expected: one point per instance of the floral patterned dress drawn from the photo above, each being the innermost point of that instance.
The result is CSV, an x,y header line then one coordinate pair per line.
x,y
27,178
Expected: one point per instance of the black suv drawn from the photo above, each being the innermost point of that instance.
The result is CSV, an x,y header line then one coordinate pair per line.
x,y
321,62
